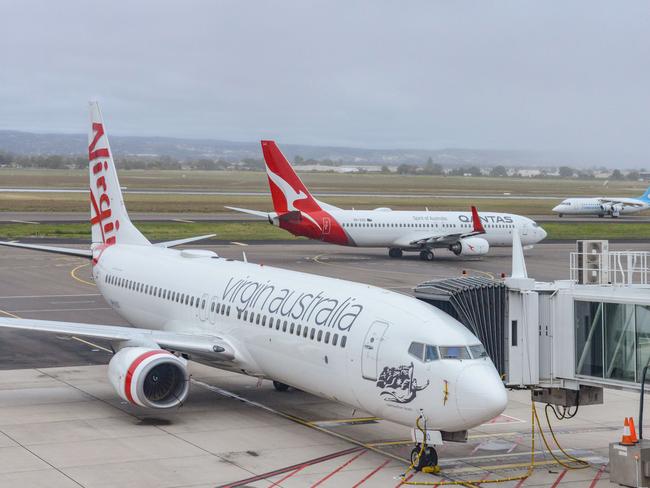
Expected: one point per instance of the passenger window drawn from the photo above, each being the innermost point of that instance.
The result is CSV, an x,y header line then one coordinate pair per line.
x,y
212,307
298,329
454,352
478,351
416,349
305,331
277,324
192,302
312,334
252,317
263,320
327,338
291,329
344,339
335,339
320,335
430,353
284,326
245,315
270,322
257,319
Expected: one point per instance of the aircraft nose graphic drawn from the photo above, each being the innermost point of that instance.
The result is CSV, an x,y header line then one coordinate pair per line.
x,y
480,394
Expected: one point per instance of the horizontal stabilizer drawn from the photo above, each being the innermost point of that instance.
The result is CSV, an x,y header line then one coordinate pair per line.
x,y
180,242
257,213
82,253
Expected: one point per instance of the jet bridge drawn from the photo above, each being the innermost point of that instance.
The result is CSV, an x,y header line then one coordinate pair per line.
x,y
567,339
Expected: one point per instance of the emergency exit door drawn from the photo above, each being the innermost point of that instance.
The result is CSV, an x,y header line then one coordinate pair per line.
x,y
370,353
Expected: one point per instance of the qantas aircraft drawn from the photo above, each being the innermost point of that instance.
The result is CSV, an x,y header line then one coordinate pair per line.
x,y
389,354
602,206
297,211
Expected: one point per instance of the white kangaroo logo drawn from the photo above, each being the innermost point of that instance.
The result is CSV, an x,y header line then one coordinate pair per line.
x,y
289,193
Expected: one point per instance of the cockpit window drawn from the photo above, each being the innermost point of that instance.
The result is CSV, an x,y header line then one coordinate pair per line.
x,y
478,351
454,352
430,353
416,349
424,352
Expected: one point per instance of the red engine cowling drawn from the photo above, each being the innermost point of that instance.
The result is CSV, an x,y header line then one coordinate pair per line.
x,y
470,246
149,377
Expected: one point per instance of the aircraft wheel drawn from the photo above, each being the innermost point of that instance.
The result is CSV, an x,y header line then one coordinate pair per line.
x,y
395,252
280,386
600,216
426,255
560,215
429,458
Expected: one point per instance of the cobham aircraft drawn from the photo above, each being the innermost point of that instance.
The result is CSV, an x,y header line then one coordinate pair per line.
x,y
298,212
389,354
601,206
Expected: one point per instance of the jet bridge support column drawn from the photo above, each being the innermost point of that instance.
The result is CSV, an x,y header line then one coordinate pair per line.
x,y
522,333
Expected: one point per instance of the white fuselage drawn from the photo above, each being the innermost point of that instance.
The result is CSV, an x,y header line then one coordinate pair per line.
x,y
396,228
355,333
600,206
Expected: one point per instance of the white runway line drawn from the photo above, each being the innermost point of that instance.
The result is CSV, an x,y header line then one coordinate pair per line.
x,y
238,243
24,222
184,221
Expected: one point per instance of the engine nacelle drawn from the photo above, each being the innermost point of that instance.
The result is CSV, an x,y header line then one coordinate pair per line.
x,y
470,246
149,377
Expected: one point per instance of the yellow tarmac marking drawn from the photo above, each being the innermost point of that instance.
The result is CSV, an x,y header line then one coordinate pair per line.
x,y
92,344
80,280
9,314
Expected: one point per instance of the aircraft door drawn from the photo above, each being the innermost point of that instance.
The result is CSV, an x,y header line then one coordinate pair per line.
x,y
370,352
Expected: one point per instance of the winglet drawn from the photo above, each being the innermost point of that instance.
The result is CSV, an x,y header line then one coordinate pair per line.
x,y
476,222
518,261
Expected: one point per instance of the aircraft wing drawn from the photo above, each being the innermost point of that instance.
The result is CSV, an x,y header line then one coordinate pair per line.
x,y
423,237
627,202
82,253
205,345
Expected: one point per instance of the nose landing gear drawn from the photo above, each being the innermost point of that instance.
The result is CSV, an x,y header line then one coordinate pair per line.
x,y
425,458
395,252
426,255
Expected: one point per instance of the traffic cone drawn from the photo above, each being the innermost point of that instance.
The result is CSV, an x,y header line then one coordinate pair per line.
x,y
626,438
633,437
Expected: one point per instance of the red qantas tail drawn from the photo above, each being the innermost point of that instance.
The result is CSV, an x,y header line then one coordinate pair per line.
x,y
287,190
476,222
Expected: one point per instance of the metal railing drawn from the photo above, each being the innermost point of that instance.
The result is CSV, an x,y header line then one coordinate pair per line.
x,y
615,268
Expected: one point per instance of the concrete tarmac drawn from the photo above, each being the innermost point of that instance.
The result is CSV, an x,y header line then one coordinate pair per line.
x,y
62,425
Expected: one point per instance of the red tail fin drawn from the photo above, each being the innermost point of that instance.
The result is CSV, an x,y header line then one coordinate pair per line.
x,y
287,190
476,222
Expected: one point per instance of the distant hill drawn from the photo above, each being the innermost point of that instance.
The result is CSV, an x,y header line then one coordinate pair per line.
x,y
27,143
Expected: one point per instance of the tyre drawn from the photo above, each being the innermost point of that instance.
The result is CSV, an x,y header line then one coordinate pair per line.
x,y
426,255
395,252
418,461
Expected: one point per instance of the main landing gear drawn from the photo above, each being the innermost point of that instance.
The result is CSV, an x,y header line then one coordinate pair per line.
x,y
426,255
395,252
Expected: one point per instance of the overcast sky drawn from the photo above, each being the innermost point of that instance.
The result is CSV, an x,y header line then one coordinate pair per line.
x,y
548,75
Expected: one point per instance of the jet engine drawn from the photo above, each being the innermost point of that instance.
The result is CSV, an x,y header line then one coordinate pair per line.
x,y
149,377
613,209
470,246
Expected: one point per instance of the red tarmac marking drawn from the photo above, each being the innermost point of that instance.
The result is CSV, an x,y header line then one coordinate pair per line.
x,y
405,479
372,473
344,465
598,475
559,478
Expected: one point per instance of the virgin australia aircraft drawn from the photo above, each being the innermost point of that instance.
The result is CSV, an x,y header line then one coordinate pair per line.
x,y
298,212
602,206
389,354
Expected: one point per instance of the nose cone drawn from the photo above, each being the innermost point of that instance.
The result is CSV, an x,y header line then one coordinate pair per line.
x,y
556,208
481,395
542,233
